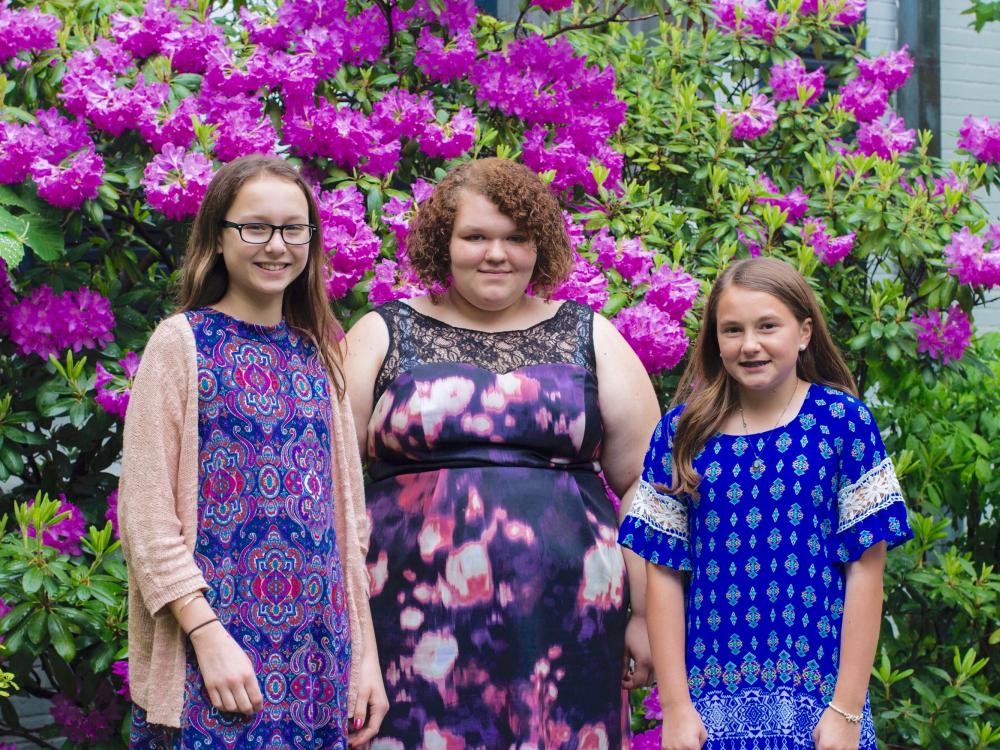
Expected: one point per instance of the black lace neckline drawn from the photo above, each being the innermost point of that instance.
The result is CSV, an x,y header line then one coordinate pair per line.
x,y
416,338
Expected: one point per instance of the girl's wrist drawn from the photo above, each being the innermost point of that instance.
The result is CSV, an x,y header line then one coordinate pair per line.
x,y
205,630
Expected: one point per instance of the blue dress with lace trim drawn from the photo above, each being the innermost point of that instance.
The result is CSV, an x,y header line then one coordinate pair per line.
x,y
779,514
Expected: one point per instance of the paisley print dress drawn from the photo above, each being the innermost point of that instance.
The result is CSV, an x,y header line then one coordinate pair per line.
x,y
266,544
779,514
498,592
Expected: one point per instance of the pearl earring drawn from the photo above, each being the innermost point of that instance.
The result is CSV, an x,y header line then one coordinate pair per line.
x,y
802,347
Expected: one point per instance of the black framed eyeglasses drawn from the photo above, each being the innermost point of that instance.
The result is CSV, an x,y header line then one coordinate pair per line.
x,y
259,233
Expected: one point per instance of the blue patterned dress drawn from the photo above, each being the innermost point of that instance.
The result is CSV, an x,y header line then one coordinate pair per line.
x,y
266,543
779,514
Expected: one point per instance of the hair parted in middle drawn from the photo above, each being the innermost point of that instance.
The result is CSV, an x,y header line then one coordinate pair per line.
x,y
710,392
204,278
518,193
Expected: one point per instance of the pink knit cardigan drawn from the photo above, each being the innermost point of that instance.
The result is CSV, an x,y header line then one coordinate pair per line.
x,y
158,518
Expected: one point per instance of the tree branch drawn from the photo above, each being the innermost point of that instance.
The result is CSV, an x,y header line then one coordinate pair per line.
x,y
613,18
28,736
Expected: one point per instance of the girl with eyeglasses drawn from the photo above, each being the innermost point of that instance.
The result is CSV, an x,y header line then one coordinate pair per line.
x,y
241,504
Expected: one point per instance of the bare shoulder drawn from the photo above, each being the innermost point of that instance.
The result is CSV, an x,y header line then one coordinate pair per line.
x,y
608,341
368,337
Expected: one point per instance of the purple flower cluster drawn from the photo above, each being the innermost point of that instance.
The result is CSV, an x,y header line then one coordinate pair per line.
x,y
651,739
795,203
347,239
66,534
886,139
787,77
975,259
82,726
852,11
56,153
552,5
45,323
943,337
570,105
586,285
755,119
867,95
176,181
651,704
25,29
396,279
120,669
111,514
443,61
980,138
751,17
657,338
828,248
113,391
629,258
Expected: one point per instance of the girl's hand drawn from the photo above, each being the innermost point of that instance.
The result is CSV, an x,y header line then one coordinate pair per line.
x,y
227,671
637,650
372,703
834,732
683,728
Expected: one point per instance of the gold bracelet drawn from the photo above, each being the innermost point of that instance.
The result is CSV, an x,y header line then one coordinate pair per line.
x,y
191,598
850,718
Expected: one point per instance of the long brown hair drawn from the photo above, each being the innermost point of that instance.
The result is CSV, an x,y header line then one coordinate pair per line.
x,y
710,392
204,278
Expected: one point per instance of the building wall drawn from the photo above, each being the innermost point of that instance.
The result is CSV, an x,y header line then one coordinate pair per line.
x,y
970,84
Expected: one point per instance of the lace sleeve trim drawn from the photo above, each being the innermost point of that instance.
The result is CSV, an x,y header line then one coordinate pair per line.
x,y
876,490
663,512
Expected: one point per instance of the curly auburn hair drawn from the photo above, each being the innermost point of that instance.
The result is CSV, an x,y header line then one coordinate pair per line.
x,y
518,193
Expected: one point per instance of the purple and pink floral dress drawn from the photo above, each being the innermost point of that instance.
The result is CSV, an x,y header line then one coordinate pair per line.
x,y
498,591
266,543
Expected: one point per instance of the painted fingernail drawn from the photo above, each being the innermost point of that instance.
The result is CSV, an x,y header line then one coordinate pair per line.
x,y
357,724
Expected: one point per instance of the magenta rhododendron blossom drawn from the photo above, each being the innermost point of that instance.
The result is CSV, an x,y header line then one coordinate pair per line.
x,y
141,35
111,514
788,76
651,703
944,337
347,239
176,181
975,259
160,125
25,29
445,62
651,739
45,323
120,670
753,17
66,534
451,139
753,241
886,139
672,291
399,113
795,203
891,70
72,181
586,285
112,393
89,727
981,138
552,5
850,11
754,120
628,256
244,129
391,281
658,339
866,99
828,248
189,47
18,148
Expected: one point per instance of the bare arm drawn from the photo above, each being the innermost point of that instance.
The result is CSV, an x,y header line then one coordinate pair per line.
x,y
365,347
683,727
858,642
630,412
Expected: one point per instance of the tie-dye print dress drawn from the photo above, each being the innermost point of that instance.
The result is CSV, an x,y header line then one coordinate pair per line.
x,y
498,593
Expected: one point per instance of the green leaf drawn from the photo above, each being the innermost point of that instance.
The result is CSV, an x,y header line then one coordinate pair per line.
x,y
32,580
11,250
62,640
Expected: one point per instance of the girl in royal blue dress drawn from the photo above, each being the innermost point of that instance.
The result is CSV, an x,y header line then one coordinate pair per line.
x,y
769,485
241,502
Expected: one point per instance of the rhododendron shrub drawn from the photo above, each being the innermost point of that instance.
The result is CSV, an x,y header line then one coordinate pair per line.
x,y
708,137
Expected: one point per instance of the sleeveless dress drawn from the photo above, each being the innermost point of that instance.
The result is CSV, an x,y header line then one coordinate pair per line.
x,y
498,592
266,543
779,514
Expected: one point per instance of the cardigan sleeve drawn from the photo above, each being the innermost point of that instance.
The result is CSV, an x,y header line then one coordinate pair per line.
x,y
153,487
357,485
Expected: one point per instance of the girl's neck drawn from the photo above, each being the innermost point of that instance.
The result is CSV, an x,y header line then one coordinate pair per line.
x,y
466,315
250,311
764,409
